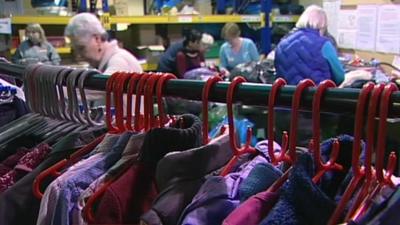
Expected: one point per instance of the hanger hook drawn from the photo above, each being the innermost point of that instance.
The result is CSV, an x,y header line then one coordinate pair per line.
x,y
232,133
300,88
204,98
159,90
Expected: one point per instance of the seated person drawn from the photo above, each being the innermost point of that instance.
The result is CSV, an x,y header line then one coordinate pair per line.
x,y
236,50
189,60
306,52
36,49
184,55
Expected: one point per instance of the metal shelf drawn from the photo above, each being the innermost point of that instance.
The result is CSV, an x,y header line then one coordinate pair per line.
x,y
284,18
50,20
63,20
64,50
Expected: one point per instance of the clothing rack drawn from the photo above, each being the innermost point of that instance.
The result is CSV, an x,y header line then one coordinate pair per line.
x,y
337,100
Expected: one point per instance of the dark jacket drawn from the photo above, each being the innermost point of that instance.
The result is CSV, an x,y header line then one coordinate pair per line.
x,y
179,184
299,56
167,61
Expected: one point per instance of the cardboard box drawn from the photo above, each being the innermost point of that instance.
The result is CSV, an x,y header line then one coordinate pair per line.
x,y
203,7
151,53
129,8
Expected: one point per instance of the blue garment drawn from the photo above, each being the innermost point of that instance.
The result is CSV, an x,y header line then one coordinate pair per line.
x,y
241,126
167,61
300,55
330,54
74,186
333,183
28,53
219,196
247,53
301,201
261,177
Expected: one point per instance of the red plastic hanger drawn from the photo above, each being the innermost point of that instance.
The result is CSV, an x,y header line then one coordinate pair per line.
x,y
54,170
204,98
109,90
146,86
119,100
131,89
383,180
149,120
369,176
303,85
357,172
320,166
160,85
237,151
138,118
381,142
282,156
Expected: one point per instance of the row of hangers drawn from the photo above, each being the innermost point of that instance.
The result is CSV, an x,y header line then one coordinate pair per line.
x,y
145,84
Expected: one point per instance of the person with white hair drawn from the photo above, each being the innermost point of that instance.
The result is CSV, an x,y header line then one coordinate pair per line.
x,y
89,40
307,52
36,48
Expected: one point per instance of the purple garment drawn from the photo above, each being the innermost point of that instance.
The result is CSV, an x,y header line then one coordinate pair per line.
x,y
201,73
8,164
253,210
25,165
219,196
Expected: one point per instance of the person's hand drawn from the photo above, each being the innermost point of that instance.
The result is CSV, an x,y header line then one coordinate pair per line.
x,y
225,73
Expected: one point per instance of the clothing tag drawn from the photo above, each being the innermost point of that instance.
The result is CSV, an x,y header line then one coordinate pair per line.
x,y
5,25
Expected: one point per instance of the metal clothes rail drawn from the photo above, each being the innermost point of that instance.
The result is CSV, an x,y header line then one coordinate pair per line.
x,y
337,100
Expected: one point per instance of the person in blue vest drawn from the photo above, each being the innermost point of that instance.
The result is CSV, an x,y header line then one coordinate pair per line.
x,y
306,52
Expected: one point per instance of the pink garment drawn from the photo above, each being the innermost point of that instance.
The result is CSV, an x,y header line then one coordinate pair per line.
x,y
25,165
8,164
253,210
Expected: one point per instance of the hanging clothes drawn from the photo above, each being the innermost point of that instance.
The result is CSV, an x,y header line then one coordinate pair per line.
x,y
132,194
25,165
54,192
218,196
179,184
18,200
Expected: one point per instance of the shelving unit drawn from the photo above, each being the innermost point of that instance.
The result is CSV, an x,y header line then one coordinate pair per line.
x,y
63,20
65,50
264,19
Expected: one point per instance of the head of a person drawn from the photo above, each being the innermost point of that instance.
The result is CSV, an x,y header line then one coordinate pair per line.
x,y
314,17
35,33
87,36
206,42
230,32
192,39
